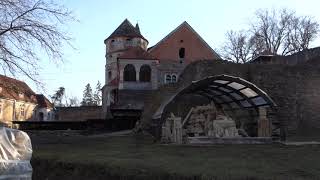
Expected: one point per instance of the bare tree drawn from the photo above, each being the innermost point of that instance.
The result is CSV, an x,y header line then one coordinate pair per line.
x,y
303,30
237,48
279,32
28,30
271,29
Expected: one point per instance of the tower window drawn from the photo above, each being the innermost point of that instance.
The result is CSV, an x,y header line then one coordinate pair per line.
x,y
109,74
128,39
129,73
181,41
112,40
181,53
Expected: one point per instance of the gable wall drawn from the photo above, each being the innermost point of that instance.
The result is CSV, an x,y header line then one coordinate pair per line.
x,y
195,49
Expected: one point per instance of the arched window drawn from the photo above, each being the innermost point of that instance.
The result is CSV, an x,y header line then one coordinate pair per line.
x,y
173,78
181,53
129,73
145,73
168,78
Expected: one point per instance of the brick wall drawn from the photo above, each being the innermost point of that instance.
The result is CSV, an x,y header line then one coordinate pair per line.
x,y
183,37
81,113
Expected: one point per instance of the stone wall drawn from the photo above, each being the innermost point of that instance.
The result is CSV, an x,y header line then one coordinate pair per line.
x,y
296,58
295,89
81,113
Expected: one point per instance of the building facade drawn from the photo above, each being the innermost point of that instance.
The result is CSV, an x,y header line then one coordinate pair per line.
x,y
133,70
19,103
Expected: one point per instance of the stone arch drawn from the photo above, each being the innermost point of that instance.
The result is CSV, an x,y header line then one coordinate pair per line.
x,y
129,73
145,73
232,94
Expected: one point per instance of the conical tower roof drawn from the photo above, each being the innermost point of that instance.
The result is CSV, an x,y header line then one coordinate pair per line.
x,y
126,29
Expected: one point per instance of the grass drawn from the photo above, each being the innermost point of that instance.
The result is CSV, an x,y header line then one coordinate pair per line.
x,y
130,156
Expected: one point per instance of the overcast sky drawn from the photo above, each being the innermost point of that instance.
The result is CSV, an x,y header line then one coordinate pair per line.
x,y
99,18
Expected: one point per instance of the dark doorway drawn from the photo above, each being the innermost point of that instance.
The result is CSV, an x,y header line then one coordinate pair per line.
x,y
41,116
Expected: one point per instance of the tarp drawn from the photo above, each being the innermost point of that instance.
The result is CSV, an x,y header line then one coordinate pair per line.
x,y
15,155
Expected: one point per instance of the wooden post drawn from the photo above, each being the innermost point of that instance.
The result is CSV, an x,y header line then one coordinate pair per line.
x,y
177,130
264,126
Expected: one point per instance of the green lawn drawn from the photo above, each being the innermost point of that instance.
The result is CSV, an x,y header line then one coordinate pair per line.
x,y
131,157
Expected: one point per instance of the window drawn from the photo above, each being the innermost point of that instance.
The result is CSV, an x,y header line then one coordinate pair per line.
x,y
129,73
112,40
145,73
128,39
181,53
109,75
173,78
22,112
168,78
21,95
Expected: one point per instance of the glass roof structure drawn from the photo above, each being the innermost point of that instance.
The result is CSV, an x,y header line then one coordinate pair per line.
x,y
227,91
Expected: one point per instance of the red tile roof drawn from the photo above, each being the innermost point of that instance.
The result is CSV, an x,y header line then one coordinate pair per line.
x,y
18,90
136,53
15,89
43,102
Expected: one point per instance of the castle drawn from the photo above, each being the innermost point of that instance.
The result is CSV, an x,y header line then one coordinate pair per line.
x,y
132,69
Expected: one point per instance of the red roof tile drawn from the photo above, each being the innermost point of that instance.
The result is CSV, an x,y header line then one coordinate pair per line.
x,y
15,89
136,53
43,102
20,91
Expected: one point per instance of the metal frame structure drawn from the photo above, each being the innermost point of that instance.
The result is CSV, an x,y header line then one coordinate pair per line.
x,y
230,92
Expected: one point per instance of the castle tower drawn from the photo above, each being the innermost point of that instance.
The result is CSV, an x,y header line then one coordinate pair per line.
x,y
123,38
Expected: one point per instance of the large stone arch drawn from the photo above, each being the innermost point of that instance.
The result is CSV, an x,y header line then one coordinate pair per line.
x,y
230,93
